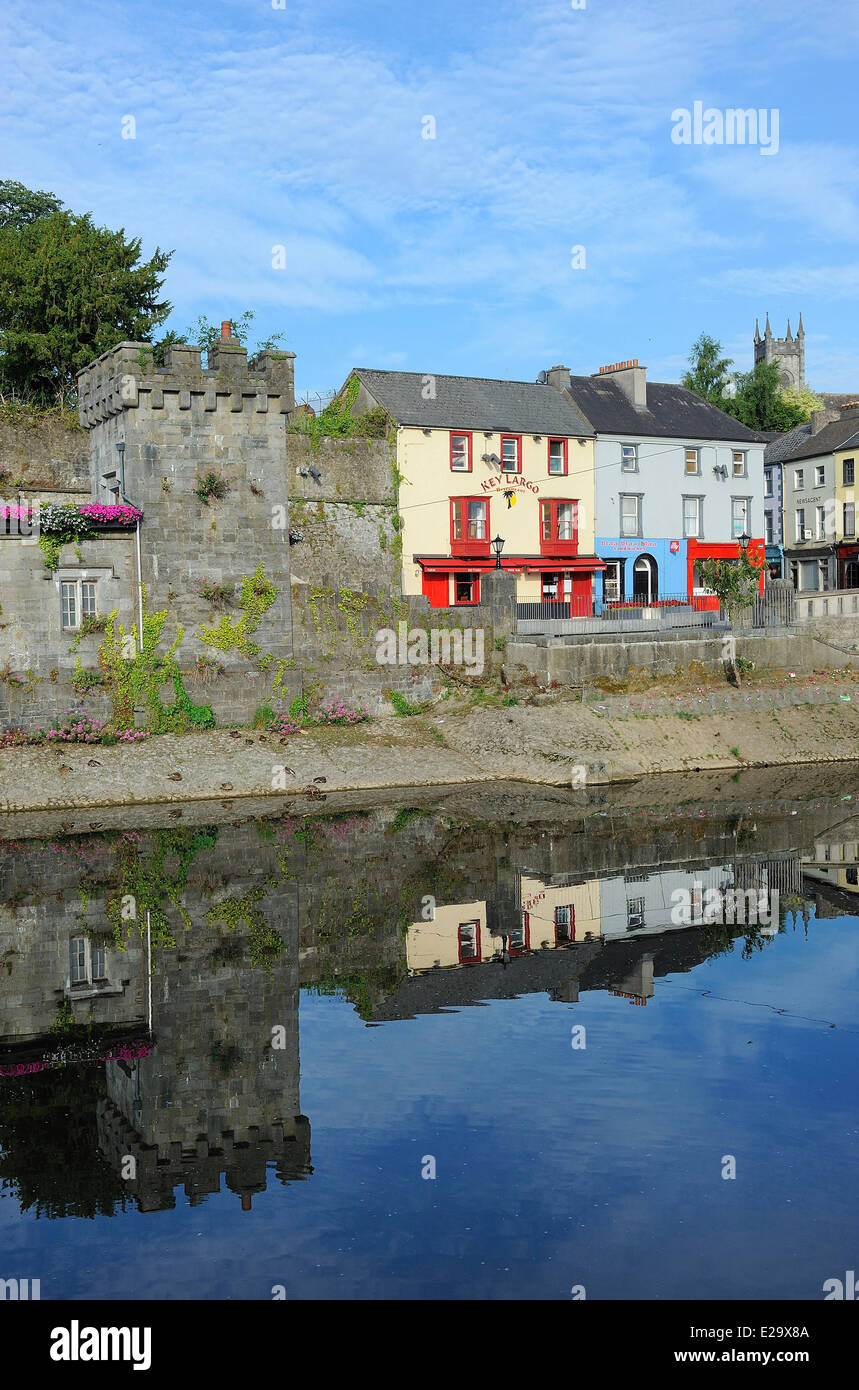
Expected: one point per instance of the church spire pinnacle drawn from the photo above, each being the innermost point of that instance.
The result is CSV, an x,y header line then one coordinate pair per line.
x,y
768,331
800,332
757,331
789,337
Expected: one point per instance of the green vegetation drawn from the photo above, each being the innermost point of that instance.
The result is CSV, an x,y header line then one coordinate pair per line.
x,y
211,485
266,945
135,677
404,708
336,421
759,401
56,315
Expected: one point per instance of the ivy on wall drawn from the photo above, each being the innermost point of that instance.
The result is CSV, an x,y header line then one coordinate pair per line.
x,y
133,674
265,944
258,594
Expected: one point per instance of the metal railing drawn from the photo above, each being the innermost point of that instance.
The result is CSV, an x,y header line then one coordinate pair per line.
x,y
588,616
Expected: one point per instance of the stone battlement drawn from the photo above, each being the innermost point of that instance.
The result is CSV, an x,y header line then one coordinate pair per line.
x,y
126,378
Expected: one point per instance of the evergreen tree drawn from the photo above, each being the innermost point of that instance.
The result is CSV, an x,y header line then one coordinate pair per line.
x,y
69,290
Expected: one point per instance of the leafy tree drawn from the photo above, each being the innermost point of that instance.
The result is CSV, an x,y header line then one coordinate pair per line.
x,y
709,372
736,584
69,290
803,399
20,205
760,402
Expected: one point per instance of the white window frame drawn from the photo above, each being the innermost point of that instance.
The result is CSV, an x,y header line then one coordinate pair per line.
x,y
691,455
799,524
698,532
86,603
738,456
636,498
768,482
746,524
798,479
629,458
820,523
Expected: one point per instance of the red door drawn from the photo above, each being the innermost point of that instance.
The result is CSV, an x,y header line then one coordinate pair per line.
x,y
436,588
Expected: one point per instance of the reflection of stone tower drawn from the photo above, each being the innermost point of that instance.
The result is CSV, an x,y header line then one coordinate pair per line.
x,y
788,352
219,1094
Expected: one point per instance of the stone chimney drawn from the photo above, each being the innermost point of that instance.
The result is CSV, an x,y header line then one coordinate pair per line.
x,y
631,379
819,418
559,377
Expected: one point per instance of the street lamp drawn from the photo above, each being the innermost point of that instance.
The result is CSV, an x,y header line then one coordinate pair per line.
x,y
744,541
498,546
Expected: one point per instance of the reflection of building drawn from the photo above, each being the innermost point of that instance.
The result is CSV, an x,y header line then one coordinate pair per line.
x,y
835,861
220,1092
555,914
50,961
546,915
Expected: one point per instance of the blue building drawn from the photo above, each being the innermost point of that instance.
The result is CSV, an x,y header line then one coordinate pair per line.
x,y
676,481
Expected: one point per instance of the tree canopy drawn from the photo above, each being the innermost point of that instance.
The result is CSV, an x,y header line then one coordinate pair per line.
x,y
69,290
708,376
759,400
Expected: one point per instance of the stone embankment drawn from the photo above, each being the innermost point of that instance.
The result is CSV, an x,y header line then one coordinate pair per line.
x,y
549,742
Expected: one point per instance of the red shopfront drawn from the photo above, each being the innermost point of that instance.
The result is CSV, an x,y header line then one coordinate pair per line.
x,y
848,566
455,582
722,550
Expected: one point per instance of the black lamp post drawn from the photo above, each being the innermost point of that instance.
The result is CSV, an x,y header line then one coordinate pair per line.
x,y
498,546
744,541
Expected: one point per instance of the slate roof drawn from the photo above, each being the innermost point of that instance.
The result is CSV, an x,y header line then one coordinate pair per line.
x,y
782,444
672,412
838,435
469,403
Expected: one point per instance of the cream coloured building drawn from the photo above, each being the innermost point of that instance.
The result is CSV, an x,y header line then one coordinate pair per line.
x,y
482,459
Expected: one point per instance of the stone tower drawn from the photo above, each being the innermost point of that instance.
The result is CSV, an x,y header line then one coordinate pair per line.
x,y
179,423
788,352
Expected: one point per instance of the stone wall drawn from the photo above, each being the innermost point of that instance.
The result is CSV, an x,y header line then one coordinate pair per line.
x,y
579,660
42,453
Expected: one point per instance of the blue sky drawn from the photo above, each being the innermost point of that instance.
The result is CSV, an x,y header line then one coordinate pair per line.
x,y
301,127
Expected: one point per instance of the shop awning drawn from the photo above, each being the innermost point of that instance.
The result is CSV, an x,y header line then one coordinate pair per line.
x,y
536,564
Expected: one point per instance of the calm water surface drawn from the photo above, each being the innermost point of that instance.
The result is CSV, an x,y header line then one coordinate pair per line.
x,y
314,1042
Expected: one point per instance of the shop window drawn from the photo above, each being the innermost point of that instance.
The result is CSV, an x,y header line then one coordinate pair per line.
x,y
466,588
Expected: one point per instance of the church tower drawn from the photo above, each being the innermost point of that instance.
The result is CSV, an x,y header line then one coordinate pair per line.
x,y
788,352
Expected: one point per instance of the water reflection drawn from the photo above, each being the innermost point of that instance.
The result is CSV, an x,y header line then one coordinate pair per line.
x,y
150,979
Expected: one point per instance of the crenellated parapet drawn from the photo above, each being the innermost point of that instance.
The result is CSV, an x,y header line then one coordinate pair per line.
x,y
127,378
